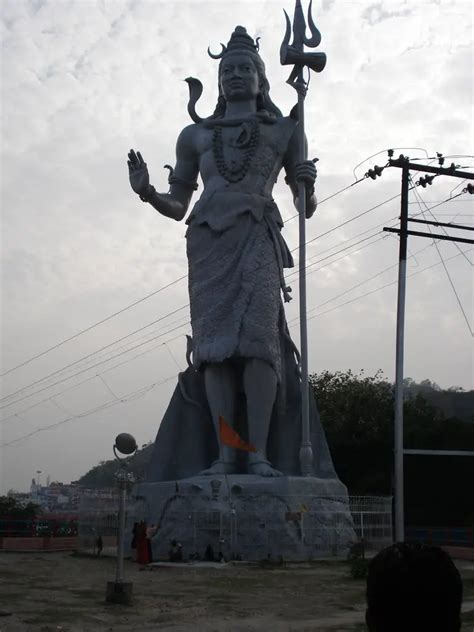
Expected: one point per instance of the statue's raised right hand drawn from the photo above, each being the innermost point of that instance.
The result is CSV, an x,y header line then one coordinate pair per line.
x,y
138,173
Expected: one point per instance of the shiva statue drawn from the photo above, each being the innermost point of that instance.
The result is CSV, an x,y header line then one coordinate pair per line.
x,y
236,257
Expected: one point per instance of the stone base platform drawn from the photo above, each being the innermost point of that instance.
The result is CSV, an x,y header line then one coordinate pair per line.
x,y
246,517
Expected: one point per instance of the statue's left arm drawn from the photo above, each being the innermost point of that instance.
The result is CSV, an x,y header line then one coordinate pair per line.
x,y
296,172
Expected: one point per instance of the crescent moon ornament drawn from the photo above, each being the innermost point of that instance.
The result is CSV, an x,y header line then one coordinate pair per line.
x,y
224,48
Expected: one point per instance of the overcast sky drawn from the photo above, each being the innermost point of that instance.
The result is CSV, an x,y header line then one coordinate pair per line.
x,y
84,81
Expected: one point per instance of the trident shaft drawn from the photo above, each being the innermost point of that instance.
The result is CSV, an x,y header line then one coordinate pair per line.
x,y
295,55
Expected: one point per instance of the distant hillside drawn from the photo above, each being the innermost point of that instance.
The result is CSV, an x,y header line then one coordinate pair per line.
x,y
453,403
102,475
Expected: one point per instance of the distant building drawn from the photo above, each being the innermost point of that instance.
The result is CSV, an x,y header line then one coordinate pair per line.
x,y
61,498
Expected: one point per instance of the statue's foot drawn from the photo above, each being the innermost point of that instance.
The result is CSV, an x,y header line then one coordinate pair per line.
x,y
219,467
263,468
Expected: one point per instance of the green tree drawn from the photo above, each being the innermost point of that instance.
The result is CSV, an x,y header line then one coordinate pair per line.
x,y
11,508
357,412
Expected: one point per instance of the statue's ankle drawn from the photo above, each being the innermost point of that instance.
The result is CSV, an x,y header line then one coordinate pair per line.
x,y
220,467
258,457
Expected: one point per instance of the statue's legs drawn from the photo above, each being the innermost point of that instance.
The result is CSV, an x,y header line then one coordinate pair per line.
x,y
221,391
260,386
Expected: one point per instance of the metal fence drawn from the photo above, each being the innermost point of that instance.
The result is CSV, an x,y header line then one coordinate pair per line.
x,y
294,527
372,516
38,526
317,532
97,516
317,526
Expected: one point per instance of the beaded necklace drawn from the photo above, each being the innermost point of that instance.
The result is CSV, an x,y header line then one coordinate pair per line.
x,y
246,143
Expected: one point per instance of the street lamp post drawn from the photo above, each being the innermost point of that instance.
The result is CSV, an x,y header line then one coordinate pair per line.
x,y
119,591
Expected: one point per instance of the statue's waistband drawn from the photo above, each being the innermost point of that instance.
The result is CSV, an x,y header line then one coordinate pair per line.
x,y
220,209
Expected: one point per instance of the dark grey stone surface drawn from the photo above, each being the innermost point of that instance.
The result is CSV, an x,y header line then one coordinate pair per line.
x,y
253,517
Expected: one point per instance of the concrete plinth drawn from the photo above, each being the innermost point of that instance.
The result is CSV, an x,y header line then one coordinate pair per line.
x,y
247,517
119,592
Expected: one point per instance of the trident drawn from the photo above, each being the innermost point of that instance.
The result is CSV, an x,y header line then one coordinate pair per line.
x,y
294,55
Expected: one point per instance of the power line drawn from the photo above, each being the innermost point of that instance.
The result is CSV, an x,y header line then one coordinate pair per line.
x,y
139,345
373,208
383,151
329,197
182,324
58,371
90,378
161,318
20,399
99,322
64,368
420,201
146,351
144,298
296,273
378,225
354,287
146,389
142,391
418,197
351,220
382,287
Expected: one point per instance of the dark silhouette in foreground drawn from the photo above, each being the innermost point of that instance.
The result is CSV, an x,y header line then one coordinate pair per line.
x,y
413,588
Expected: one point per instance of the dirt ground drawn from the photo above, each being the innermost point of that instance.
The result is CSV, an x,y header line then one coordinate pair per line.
x,y
51,592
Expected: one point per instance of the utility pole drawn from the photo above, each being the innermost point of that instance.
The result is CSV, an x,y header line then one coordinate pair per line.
x,y
405,165
400,337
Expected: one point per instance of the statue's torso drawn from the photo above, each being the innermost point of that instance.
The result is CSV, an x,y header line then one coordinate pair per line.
x,y
264,161
239,165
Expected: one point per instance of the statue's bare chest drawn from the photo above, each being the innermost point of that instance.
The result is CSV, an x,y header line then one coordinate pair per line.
x,y
237,152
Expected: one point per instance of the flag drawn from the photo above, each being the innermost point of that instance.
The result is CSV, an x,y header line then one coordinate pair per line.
x,y
231,438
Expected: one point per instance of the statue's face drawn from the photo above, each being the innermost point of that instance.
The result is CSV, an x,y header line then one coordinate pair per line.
x,y
239,79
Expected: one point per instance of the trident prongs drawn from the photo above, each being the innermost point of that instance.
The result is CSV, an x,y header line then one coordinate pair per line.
x,y
293,54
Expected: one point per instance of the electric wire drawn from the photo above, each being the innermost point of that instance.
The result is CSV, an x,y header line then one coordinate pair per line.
x,y
420,200
383,151
144,298
132,348
296,272
142,391
129,397
151,340
71,364
382,287
152,294
40,390
354,287
329,197
100,322
88,379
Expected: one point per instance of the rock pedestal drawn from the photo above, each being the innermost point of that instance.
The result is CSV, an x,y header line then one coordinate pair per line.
x,y
247,517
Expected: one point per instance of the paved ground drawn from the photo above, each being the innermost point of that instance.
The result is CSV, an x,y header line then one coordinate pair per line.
x,y
59,592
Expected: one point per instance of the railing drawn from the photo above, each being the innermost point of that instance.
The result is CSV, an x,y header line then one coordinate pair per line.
x,y
320,526
12,527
